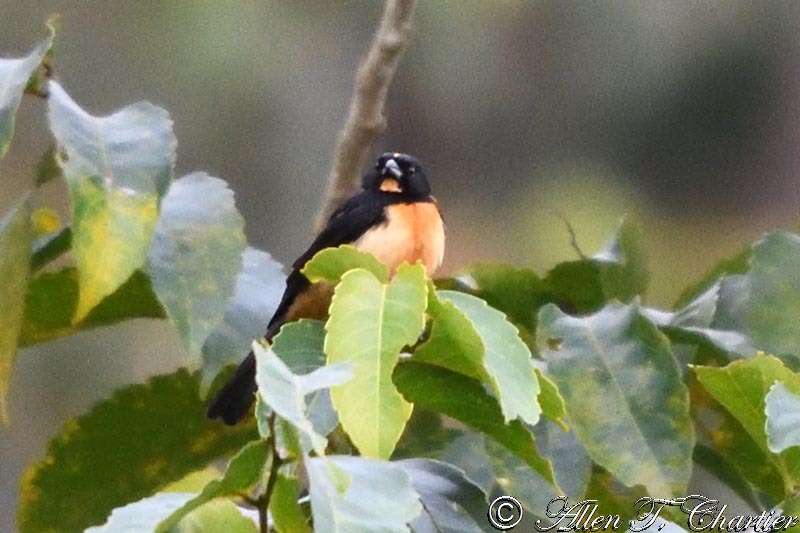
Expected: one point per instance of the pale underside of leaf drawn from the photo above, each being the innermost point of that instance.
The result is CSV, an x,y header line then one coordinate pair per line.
x,y
196,256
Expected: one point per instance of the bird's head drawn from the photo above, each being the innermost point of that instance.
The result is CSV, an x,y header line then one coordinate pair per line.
x,y
398,173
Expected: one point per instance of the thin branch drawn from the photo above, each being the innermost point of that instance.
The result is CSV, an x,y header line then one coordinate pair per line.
x,y
365,119
573,239
264,500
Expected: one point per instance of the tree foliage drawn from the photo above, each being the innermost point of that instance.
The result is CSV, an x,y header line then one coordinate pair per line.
x,y
416,401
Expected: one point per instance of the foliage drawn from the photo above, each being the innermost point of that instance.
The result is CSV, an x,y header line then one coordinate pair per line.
x,y
416,402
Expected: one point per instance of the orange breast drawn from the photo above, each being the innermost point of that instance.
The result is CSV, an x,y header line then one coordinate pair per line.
x,y
412,232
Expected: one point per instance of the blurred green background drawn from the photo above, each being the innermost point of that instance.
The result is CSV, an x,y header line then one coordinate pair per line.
x,y
686,116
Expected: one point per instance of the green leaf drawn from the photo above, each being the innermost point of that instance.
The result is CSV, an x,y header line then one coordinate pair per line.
x,y
196,255
617,272
741,387
370,322
15,253
285,392
517,292
571,465
453,342
619,360
116,167
465,399
258,291
244,471
553,406
120,452
144,515
782,408
331,264
47,168
301,345
446,496
720,432
52,298
14,77
766,301
470,337
287,515
692,325
352,494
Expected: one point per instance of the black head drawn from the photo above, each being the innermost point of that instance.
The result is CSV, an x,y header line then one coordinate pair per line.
x,y
398,173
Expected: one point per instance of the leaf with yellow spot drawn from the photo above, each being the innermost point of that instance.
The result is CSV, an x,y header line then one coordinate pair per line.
x,y
196,256
15,253
116,168
127,447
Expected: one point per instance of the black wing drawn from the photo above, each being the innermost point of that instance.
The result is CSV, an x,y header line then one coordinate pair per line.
x,y
360,213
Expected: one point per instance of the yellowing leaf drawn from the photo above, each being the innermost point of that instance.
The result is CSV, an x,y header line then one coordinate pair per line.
x,y
370,322
116,168
15,254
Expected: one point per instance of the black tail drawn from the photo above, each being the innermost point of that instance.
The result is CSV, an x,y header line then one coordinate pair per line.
x,y
234,400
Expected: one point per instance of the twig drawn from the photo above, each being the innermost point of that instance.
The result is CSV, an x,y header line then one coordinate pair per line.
x,y
365,119
263,501
573,239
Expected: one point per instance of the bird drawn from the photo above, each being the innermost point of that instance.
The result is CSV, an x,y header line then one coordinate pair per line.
x,y
393,217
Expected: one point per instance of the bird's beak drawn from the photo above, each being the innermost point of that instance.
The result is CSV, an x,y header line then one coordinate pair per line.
x,y
391,167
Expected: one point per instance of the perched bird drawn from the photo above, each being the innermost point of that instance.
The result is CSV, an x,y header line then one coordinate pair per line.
x,y
394,217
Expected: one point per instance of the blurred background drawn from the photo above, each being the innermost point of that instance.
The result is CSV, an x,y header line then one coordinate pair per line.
x,y
685,116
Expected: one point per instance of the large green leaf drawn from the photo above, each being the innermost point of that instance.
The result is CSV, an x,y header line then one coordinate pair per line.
x,y
782,408
446,495
285,392
617,272
116,168
619,360
470,337
52,298
331,264
370,322
517,292
742,387
15,253
287,515
765,303
14,77
121,452
258,291
196,255
353,494
244,471
724,435
144,516
465,399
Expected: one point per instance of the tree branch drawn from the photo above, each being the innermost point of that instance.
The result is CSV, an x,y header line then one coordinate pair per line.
x,y
365,119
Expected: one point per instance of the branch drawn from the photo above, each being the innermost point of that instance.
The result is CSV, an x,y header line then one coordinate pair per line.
x,y
365,120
